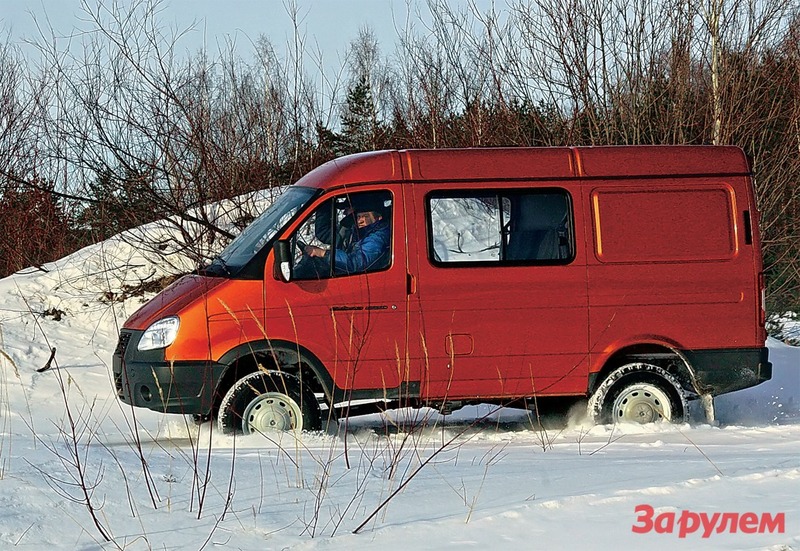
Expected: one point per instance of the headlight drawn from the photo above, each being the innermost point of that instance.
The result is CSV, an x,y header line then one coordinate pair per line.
x,y
161,334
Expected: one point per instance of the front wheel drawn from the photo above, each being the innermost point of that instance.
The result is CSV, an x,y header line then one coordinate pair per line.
x,y
267,401
639,393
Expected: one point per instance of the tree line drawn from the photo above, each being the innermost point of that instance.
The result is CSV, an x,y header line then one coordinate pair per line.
x,y
121,128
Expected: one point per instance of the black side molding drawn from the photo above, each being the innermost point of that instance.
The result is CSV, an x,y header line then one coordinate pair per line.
x,y
748,228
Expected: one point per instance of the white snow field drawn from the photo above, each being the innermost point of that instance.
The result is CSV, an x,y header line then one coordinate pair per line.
x,y
78,468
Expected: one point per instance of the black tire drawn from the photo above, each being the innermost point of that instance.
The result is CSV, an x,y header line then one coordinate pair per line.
x,y
268,401
639,393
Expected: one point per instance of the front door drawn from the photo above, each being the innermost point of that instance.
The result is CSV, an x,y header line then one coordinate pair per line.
x,y
347,300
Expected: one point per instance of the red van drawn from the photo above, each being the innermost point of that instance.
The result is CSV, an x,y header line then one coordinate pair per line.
x,y
629,275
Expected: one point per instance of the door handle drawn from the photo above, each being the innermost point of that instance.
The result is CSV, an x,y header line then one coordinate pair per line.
x,y
411,284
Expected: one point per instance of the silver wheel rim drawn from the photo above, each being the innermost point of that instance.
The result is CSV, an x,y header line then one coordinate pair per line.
x,y
272,411
642,403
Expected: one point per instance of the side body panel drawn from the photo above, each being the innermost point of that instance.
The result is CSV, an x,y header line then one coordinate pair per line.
x,y
229,316
499,331
672,261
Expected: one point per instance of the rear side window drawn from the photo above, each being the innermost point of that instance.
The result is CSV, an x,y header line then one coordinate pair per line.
x,y
503,227
663,225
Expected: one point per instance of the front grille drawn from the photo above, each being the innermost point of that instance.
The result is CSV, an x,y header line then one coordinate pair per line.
x,y
122,344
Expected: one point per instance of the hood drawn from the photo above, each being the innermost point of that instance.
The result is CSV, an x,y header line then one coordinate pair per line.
x,y
172,300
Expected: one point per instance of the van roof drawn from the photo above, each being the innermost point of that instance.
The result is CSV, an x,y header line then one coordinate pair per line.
x,y
528,163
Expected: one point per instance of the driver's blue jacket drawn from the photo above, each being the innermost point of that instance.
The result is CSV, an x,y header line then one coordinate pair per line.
x,y
369,250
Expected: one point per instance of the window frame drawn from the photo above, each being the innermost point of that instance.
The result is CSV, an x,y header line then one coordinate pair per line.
x,y
331,199
500,194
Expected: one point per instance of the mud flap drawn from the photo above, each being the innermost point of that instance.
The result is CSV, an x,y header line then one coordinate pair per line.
x,y
708,408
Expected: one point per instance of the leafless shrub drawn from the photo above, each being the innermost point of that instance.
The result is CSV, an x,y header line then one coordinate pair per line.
x,y
118,126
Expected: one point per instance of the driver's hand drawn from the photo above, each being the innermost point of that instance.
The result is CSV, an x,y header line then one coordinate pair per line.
x,y
311,250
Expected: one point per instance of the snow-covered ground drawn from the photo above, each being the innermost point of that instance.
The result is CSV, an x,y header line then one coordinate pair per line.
x,y
76,465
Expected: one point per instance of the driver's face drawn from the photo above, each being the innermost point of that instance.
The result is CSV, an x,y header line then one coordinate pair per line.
x,y
364,219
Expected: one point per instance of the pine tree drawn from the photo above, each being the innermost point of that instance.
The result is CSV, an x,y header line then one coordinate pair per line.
x,y
360,127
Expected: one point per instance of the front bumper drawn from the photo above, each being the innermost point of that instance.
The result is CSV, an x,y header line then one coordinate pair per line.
x,y
146,379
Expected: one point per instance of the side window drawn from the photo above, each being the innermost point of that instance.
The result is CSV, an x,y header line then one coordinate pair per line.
x,y
465,228
511,226
347,234
540,228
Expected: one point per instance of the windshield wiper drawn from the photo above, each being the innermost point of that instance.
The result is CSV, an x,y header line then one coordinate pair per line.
x,y
217,267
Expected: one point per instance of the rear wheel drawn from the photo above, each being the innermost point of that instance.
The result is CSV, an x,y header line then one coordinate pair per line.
x,y
267,401
639,393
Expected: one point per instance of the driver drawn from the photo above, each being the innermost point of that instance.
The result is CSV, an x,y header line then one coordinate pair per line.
x,y
369,247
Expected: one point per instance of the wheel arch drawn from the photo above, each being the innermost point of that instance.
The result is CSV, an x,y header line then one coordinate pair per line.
x,y
664,355
277,355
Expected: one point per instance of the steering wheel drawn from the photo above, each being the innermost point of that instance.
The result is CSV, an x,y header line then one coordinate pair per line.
x,y
300,245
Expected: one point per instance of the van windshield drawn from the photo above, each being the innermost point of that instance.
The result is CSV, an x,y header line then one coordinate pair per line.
x,y
260,232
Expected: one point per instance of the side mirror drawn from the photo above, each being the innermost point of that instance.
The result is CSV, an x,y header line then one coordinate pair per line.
x,y
282,269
